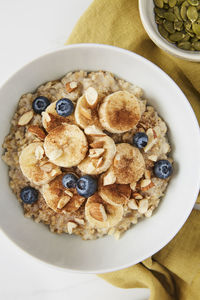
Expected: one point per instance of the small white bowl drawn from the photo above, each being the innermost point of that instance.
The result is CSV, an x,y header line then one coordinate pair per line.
x,y
149,235
146,8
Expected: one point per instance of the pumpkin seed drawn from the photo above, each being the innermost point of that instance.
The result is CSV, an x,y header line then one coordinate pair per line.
x,y
194,39
179,2
169,26
158,19
186,38
169,16
162,31
166,1
177,36
177,13
166,6
192,13
188,25
196,45
159,12
183,11
184,45
178,25
159,3
172,3
196,29
193,2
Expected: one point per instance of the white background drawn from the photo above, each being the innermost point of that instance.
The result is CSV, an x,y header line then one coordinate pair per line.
x,y
27,29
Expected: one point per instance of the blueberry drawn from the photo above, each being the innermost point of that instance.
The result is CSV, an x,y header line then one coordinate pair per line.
x,y
69,180
40,104
86,186
29,195
163,169
140,140
64,107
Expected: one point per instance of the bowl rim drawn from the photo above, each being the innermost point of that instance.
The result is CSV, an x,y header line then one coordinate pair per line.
x,y
161,42
193,118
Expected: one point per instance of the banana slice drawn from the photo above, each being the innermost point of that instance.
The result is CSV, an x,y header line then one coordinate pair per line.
x,y
51,119
102,150
101,214
35,165
86,112
66,145
128,164
114,194
60,199
119,112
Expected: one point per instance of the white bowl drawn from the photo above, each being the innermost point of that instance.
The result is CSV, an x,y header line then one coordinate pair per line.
x,y
150,235
146,8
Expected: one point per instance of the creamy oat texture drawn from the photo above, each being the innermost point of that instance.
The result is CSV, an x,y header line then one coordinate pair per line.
x,y
127,188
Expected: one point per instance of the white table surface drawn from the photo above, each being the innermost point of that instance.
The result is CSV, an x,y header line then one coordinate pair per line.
x,y
27,29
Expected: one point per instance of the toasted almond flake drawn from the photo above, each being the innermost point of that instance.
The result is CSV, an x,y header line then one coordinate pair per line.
x,y
149,212
54,172
47,167
98,144
132,204
146,188
133,186
55,154
63,201
145,182
94,131
91,96
137,196
97,211
150,144
100,162
153,157
143,206
69,193
79,221
96,153
147,174
71,86
134,220
71,226
37,131
165,148
25,118
46,116
86,112
109,178
39,152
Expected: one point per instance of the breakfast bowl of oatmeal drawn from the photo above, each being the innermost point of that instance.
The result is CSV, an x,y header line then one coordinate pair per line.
x,y
94,158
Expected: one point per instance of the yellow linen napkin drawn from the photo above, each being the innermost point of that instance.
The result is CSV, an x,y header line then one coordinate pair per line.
x,y
173,272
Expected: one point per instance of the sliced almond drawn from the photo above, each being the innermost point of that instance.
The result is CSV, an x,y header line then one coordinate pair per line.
x,y
151,140
71,86
39,153
96,153
94,131
133,186
143,206
97,211
100,162
117,235
46,116
98,144
86,112
153,157
71,226
109,178
37,131
46,167
55,154
25,118
146,184
91,96
132,204
63,201
137,196
69,193
149,212
147,174
79,221
53,172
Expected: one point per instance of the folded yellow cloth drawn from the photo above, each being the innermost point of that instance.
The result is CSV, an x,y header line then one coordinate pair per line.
x,y
173,272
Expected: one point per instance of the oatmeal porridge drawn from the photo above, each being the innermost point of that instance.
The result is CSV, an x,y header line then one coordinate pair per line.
x,y
87,155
